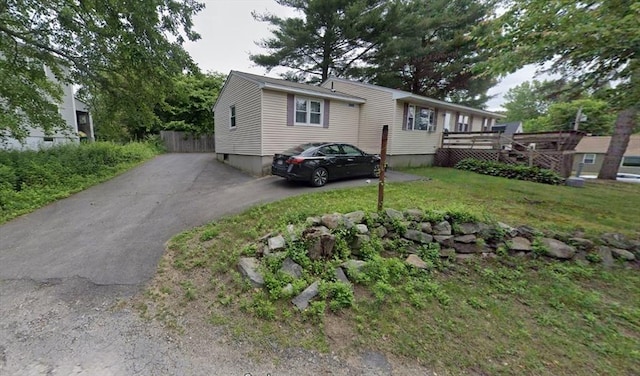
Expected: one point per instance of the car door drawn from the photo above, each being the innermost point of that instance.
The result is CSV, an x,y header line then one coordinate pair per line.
x,y
333,160
355,163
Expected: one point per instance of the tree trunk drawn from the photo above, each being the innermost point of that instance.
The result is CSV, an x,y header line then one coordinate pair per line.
x,y
618,145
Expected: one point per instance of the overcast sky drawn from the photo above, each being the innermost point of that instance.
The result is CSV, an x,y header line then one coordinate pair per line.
x,y
229,33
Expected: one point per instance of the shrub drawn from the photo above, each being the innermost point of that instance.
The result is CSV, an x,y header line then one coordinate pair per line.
x,y
30,179
510,171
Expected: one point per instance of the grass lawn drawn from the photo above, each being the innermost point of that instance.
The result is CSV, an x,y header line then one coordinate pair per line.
x,y
506,316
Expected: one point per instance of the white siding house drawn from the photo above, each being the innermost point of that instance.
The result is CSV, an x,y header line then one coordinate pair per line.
x,y
74,113
257,117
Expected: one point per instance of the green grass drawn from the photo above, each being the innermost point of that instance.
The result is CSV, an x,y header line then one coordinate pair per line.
x,y
598,207
507,316
32,179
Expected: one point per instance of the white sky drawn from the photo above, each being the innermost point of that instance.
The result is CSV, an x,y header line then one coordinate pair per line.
x,y
229,33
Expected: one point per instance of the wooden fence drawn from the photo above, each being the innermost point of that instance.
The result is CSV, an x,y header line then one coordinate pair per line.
x,y
185,142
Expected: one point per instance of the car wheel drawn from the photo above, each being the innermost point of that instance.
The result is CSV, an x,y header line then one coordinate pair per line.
x,y
319,177
376,171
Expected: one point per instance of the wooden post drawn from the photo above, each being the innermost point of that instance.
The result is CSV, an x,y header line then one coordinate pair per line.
x,y
383,162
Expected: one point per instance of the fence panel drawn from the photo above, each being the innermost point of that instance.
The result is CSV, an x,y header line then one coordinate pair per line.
x,y
558,161
184,142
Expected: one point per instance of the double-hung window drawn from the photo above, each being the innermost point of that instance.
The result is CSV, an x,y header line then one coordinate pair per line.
x,y
420,119
308,111
232,117
589,159
463,123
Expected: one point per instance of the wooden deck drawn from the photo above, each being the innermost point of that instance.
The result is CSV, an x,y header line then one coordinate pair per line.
x,y
550,150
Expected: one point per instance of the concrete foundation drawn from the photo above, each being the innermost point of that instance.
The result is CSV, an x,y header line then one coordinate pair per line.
x,y
410,160
252,164
261,165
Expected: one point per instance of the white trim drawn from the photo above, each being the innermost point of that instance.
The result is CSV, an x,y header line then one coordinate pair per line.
x,y
416,110
463,122
308,112
593,158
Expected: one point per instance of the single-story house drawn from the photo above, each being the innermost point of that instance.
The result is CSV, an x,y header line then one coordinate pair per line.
x,y
591,151
74,112
257,117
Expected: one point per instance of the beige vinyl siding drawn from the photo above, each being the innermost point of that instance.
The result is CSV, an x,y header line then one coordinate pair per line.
x,y
246,137
376,112
413,142
476,124
278,136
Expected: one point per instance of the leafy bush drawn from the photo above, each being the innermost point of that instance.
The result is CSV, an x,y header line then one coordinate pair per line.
x,y
510,171
31,179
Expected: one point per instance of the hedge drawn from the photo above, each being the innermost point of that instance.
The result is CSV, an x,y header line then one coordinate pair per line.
x,y
511,171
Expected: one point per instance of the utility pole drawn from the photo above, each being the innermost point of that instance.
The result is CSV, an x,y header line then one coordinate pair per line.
x,y
576,123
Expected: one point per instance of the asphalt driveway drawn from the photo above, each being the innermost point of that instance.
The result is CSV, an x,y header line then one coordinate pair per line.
x,y
67,272
114,233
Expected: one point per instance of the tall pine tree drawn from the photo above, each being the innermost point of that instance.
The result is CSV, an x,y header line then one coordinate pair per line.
x,y
429,50
330,37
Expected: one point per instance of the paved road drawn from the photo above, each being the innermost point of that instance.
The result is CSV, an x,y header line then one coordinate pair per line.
x,y
113,233
66,268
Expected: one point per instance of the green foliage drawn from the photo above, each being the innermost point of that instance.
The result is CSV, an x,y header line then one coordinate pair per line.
x,y
594,257
189,289
538,248
551,33
209,233
315,311
121,52
339,294
525,102
261,306
401,44
297,251
510,171
187,107
330,37
430,254
379,269
523,36
427,50
599,118
397,225
31,179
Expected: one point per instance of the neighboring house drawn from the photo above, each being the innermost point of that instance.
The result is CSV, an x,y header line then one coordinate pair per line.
x,y
257,117
508,128
75,114
591,151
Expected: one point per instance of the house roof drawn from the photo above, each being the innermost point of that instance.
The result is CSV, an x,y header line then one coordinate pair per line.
x,y
296,87
507,128
600,144
407,96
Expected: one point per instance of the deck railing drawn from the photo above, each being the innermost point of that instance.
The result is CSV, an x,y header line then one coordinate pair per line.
x,y
550,150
